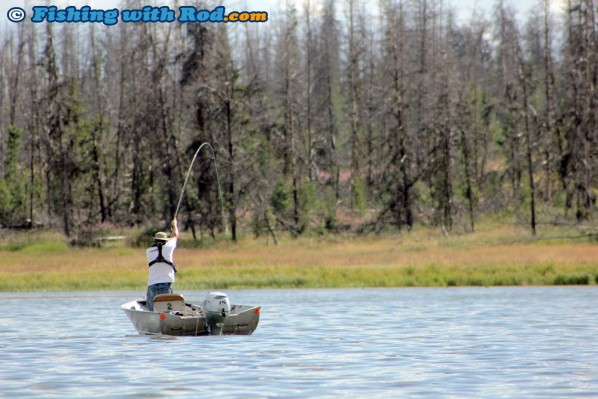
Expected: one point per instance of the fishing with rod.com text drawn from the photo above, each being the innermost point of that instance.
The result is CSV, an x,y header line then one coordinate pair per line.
x,y
147,14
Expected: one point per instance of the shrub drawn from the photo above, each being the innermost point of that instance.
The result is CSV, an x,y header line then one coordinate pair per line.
x,y
572,279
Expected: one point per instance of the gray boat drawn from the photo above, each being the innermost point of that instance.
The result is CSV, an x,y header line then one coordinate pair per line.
x,y
172,315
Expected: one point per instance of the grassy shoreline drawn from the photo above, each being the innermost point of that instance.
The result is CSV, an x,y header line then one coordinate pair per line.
x,y
424,258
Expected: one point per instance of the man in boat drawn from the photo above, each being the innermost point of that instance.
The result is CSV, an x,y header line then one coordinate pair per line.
x,y
161,264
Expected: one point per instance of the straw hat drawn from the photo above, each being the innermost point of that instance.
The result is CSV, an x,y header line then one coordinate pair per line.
x,y
161,236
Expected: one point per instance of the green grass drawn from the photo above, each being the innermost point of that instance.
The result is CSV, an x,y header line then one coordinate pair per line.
x,y
500,256
41,247
36,243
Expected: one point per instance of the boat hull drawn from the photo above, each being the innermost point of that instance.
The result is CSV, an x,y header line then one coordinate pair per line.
x,y
242,320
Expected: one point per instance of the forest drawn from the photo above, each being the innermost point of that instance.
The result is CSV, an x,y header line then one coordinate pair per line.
x,y
329,117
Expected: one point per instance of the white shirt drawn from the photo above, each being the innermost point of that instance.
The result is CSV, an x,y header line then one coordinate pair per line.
x,y
161,272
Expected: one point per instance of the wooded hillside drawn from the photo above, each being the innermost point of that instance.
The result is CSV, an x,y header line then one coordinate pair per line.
x,y
324,116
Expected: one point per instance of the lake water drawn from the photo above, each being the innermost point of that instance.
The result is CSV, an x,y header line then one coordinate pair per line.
x,y
370,343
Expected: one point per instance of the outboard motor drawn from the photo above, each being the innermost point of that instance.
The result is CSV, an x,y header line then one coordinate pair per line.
x,y
217,309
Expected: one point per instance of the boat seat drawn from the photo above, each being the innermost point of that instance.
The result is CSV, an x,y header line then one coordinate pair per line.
x,y
169,303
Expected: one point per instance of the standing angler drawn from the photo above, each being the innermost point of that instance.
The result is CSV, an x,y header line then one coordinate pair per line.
x,y
161,264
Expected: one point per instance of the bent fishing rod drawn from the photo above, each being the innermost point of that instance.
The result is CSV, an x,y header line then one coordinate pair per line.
x,y
217,179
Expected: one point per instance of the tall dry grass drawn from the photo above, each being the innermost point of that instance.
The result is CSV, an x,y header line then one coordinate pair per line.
x,y
421,258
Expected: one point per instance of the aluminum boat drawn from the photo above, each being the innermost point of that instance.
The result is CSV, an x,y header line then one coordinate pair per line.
x,y
172,315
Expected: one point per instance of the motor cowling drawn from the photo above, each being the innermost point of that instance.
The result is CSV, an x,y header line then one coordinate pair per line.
x,y
217,308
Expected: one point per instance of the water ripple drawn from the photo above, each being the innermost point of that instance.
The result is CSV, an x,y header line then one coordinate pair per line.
x,y
422,343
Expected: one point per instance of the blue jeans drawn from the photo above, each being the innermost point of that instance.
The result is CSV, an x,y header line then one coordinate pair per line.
x,y
156,289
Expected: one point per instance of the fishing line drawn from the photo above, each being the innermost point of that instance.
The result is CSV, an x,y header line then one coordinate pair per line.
x,y
217,179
